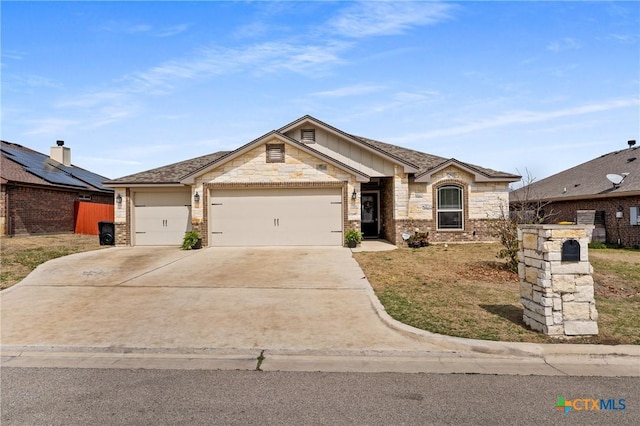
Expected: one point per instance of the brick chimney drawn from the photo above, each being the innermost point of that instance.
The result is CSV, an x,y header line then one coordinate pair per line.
x,y
61,153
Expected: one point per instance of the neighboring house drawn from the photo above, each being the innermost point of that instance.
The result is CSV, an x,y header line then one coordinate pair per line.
x,y
589,194
305,184
43,194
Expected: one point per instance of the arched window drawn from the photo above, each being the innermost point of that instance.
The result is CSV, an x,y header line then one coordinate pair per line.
x,y
450,209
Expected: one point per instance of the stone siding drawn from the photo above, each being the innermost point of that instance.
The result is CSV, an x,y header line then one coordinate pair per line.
x,y
557,295
298,167
483,202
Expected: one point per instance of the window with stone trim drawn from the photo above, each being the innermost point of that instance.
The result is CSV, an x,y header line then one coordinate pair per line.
x,y
450,210
275,153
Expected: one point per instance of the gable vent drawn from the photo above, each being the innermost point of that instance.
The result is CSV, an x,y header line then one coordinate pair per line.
x,y
275,153
308,135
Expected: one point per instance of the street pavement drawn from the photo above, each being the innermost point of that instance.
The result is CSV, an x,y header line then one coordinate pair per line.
x,y
69,397
285,309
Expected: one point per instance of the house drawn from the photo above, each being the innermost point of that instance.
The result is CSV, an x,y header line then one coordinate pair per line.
x,y
45,194
604,192
305,184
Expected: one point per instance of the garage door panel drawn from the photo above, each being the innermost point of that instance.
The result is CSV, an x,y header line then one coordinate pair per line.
x,y
276,217
161,218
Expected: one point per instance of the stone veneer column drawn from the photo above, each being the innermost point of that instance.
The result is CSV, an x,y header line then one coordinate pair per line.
x,y
557,295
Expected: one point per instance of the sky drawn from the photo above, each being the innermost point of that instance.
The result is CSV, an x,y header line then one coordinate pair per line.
x,y
531,88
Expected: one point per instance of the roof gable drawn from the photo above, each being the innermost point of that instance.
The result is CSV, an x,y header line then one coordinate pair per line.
x,y
362,142
189,179
479,174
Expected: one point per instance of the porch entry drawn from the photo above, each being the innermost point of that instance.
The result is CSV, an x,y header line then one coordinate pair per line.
x,y
369,214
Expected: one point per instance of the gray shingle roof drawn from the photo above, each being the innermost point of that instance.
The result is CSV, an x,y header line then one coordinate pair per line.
x,y
174,173
427,162
589,180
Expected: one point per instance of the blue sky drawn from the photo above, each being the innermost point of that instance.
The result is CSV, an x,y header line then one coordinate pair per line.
x,y
513,86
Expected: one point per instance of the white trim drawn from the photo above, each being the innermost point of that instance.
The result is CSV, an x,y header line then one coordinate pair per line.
x,y
461,210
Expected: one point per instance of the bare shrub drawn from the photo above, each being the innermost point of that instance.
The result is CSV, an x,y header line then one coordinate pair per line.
x,y
525,208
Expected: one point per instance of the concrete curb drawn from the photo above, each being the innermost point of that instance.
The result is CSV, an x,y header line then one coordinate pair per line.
x,y
540,350
325,361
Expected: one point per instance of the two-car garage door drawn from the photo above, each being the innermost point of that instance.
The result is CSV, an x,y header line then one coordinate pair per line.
x,y
276,217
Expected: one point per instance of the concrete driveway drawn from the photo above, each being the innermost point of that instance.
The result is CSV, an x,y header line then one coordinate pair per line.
x,y
222,298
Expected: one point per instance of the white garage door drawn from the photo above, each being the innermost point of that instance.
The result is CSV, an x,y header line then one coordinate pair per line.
x,y
276,217
161,218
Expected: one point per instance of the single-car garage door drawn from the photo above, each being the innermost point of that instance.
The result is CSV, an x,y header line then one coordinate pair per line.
x,y
161,218
276,217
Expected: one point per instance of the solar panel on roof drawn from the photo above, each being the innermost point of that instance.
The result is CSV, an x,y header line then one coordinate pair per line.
x,y
35,163
86,176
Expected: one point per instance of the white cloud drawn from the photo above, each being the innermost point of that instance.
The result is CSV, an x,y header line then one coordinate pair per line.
x,y
128,28
18,83
364,19
50,126
91,99
171,31
520,117
564,44
12,54
269,57
623,38
358,89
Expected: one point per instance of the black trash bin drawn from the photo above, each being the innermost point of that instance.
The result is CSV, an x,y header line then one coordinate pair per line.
x,y
107,232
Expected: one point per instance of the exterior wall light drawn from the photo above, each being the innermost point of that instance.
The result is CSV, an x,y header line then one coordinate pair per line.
x,y
354,195
196,197
119,199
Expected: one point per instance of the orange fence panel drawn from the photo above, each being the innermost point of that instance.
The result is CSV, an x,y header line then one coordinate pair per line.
x,y
89,214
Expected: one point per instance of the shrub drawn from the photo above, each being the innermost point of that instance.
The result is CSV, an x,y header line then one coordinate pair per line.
x,y
190,239
353,236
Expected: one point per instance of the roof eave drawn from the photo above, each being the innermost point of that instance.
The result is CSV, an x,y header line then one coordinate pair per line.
x,y
141,184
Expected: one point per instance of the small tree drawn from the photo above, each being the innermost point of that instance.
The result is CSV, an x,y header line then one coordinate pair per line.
x,y
526,208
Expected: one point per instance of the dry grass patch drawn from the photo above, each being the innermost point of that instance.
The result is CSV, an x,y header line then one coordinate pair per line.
x,y
464,290
22,254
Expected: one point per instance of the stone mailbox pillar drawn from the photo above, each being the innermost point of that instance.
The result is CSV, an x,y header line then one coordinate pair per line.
x,y
556,283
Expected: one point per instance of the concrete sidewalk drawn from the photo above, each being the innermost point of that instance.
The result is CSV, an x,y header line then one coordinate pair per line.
x,y
304,308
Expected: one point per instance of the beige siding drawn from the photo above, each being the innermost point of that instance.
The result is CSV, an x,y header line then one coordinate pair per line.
x,y
348,153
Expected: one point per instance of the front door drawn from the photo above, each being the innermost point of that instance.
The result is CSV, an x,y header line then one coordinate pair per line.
x,y
369,215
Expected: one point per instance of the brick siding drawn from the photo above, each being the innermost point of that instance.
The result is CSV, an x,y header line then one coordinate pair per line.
x,y
33,210
628,234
